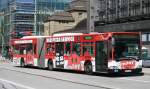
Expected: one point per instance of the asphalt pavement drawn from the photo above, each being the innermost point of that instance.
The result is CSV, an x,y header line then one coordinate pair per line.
x,y
145,70
31,78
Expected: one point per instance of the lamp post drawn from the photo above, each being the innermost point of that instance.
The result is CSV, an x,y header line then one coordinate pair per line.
x,y
10,20
2,29
2,39
35,17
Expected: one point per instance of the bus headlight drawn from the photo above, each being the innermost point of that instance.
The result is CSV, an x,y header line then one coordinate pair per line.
x,y
139,66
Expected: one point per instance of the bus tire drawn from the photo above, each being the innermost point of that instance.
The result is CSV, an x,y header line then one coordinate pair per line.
x,y
50,65
22,64
88,68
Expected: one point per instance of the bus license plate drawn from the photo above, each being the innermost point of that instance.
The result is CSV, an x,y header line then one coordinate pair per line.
x,y
127,70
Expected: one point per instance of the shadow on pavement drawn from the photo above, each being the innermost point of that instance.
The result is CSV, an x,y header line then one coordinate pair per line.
x,y
94,74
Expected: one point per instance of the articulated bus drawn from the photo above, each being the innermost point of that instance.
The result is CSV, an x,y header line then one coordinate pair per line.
x,y
110,52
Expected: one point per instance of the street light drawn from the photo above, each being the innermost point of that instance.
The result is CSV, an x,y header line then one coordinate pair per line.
x,y
35,17
2,29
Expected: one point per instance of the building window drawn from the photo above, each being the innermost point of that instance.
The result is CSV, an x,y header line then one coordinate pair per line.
x,y
144,37
60,22
92,7
92,17
148,37
80,13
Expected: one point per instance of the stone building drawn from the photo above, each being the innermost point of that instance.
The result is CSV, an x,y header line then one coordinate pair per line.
x,y
57,22
68,19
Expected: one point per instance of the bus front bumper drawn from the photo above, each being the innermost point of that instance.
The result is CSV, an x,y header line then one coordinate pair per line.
x,y
137,70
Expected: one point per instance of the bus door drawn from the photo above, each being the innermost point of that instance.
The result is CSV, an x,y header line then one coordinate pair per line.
x,y
59,49
101,56
41,52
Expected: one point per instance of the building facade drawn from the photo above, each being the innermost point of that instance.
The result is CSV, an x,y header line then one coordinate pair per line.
x,y
69,19
3,5
46,8
3,37
121,15
59,21
118,15
25,17
21,16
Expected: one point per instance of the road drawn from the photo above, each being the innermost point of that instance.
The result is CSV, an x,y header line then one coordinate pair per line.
x,y
34,78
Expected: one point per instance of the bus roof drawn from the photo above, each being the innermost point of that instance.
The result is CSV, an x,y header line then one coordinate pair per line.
x,y
124,32
75,34
25,37
67,34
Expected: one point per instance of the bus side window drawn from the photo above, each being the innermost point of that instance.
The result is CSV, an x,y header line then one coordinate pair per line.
x,y
29,49
88,48
67,49
59,49
16,49
76,48
86,52
48,48
22,50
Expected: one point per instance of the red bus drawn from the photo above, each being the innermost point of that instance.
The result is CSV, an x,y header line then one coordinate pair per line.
x,y
111,52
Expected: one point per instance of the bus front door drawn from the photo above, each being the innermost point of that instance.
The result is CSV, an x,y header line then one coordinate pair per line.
x,y
59,55
101,56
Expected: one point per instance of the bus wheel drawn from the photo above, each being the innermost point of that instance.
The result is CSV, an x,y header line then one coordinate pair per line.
x,y
88,68
50,65
22,64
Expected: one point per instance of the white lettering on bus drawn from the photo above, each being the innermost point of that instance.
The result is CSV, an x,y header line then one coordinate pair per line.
x,y
60,39
23,41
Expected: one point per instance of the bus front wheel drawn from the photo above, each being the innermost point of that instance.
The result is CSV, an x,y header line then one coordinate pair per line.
x,y
88,68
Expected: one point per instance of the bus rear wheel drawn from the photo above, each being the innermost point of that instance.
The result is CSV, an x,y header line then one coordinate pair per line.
x,y
50,65
88,68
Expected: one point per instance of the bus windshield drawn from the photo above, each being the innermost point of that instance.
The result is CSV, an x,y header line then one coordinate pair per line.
x,y
126,46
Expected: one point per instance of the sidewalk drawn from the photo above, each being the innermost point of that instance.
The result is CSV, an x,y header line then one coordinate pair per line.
x,y
146,71
4,60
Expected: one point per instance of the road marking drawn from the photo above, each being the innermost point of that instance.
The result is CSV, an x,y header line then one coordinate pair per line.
x,y
16,84
135,80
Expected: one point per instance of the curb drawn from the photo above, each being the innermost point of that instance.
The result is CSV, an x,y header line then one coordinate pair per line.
x,y
146,73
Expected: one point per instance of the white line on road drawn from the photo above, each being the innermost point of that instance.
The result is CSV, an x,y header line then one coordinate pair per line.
x,y
135,80
16,84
